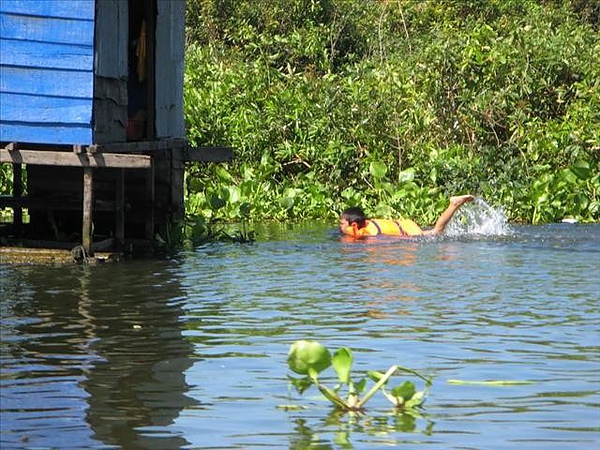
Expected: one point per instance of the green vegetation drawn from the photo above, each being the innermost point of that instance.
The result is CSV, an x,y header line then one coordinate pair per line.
x,y
6,181
310,358
393,106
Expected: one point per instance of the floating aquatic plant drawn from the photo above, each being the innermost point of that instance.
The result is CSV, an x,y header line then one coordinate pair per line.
x,y
310,358
490,382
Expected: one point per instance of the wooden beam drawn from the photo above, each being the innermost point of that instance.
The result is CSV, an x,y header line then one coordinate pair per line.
x,y
199,154
208,154
46,204
54,158
139,146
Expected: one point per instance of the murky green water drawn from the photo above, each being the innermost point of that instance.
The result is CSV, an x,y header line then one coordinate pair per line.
x,y
191,352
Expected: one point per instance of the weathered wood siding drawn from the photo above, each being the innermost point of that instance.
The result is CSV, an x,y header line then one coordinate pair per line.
x,y
110,88
46,71
170,31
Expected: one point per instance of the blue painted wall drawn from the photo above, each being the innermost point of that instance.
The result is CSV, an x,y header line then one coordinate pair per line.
x,y
46,71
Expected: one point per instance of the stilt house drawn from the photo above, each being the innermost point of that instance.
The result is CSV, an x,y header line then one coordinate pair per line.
x,y
91,118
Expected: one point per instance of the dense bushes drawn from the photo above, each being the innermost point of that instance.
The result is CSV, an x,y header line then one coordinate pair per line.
x,y
393,105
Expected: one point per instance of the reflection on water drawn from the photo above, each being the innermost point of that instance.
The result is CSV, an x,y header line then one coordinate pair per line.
x,y
92,355
191,353
348,426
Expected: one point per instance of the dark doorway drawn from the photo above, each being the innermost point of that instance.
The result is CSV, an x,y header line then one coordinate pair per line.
x,y
140,86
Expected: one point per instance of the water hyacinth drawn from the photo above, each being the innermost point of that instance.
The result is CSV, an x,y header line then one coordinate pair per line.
x,y
310,358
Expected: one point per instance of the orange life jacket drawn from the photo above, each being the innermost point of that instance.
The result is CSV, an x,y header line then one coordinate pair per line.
x,y
387,227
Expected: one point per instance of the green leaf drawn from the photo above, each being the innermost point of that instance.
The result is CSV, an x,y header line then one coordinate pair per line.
x,y
342,362
405,391
245,209
301,384
569,176
406,175
216,202
374,375
286,202
377,169
223,175
360,386
581,170
416,400
308,358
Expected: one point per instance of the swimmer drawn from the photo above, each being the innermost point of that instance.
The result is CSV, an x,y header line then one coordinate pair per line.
x,y
354,223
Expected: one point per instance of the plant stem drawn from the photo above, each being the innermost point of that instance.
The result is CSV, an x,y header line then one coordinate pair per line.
x,y
333,397
415,373
377,386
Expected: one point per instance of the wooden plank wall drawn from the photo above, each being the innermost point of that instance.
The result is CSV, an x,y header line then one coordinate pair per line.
x,y
170,30
110,89
46,71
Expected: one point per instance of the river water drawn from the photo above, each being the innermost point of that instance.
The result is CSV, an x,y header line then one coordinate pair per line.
x,y
190,352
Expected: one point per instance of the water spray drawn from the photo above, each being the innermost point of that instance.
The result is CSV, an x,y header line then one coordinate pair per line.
x,y
478,218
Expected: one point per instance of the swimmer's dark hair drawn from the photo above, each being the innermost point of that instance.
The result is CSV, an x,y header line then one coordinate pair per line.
x,y
355,214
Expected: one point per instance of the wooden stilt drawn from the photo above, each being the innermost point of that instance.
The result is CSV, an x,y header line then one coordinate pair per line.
x,y
149,232
88,199
120,209
176,184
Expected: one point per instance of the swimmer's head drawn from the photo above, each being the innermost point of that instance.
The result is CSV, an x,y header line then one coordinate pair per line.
x,y
351,216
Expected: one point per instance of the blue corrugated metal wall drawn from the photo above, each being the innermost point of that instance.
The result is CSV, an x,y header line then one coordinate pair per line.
x,y
46,71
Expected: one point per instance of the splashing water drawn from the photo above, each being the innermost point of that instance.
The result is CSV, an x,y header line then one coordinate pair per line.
x,y
478,218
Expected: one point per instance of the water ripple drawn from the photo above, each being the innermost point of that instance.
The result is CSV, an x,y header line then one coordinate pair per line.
x,y
191,352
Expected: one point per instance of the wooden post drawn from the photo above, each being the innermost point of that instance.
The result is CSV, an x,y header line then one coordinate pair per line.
x,y
17,194
149,232
176,183
120,209
88,199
